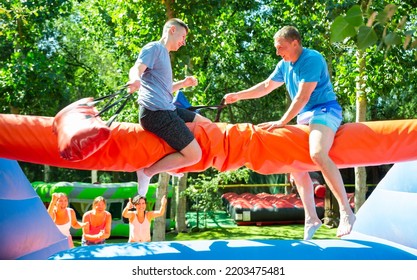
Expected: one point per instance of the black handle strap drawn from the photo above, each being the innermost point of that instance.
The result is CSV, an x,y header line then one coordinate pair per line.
x,y
212,107
110,104
109,97
126,98
219,110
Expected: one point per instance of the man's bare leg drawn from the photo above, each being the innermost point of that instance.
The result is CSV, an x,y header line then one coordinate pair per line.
x,y
305,189
321,140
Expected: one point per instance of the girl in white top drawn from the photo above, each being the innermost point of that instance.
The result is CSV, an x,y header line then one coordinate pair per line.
x,y
140,219
63,216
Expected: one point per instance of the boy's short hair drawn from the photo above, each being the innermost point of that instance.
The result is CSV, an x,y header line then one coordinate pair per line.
x,y
176,22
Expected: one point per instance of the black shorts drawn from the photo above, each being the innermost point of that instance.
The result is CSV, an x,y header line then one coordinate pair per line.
x,y
169,125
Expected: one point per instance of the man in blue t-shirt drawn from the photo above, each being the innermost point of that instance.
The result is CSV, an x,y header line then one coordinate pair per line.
x,y
152,76
305,75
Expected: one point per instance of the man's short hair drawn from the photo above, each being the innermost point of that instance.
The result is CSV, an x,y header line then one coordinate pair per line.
x,y
289,33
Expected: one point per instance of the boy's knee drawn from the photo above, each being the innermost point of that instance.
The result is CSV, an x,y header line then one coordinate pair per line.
x,y
198,155
194,154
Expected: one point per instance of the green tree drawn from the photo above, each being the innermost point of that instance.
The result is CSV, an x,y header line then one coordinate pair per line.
x,y
29,83
371,33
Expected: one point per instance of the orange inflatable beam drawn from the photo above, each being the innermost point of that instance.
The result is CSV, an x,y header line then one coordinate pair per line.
x,y
225,146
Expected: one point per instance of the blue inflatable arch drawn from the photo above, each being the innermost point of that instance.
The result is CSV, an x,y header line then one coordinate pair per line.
x,y
27,231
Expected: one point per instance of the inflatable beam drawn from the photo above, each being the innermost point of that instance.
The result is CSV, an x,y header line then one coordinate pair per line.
x,y
225,146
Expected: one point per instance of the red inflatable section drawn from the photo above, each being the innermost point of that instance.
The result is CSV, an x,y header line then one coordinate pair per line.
x,y
265,208
80,132
225,146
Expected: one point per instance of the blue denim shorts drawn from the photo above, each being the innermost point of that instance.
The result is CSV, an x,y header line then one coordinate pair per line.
x,y
328,114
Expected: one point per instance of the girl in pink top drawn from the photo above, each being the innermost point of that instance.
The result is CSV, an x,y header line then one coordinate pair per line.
x,y
140,219
99,223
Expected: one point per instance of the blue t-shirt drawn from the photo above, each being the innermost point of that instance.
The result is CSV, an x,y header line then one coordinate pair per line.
x,y
155,92
309,67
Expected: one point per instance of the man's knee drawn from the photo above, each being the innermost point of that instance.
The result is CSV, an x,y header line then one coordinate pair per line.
x,y
193,152
319,158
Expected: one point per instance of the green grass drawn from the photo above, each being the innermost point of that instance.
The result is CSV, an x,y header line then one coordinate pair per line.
x,y
282,232
220,226
288,232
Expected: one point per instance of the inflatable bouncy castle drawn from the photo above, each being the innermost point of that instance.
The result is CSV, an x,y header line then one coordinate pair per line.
x,y
27,230
380,232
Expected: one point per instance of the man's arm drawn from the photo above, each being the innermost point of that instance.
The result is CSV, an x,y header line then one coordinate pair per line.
x,y
297,104
300,100
134,77
187,82
257,91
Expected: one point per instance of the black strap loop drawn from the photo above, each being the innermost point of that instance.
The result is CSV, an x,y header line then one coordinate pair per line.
x,y
126,97
219,110
110,104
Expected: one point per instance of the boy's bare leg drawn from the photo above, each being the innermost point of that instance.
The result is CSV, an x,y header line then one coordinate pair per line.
x,y
186,157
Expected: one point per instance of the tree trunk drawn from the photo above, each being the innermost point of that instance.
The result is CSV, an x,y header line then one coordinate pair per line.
x,y
94,176
331,206
46,173
180,222
173,208
169,10
360,172
160,222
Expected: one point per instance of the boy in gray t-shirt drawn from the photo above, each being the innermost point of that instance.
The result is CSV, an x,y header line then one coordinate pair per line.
x,y
152,77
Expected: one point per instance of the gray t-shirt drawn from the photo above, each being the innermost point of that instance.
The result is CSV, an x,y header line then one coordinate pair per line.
x,y
155,92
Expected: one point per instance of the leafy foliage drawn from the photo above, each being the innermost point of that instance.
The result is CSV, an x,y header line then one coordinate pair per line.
x,y
352,25
204,189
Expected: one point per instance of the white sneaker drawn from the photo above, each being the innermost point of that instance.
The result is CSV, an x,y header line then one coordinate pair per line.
x,y
143,182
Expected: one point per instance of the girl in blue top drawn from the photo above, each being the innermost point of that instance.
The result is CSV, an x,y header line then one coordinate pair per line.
x,y
305,75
